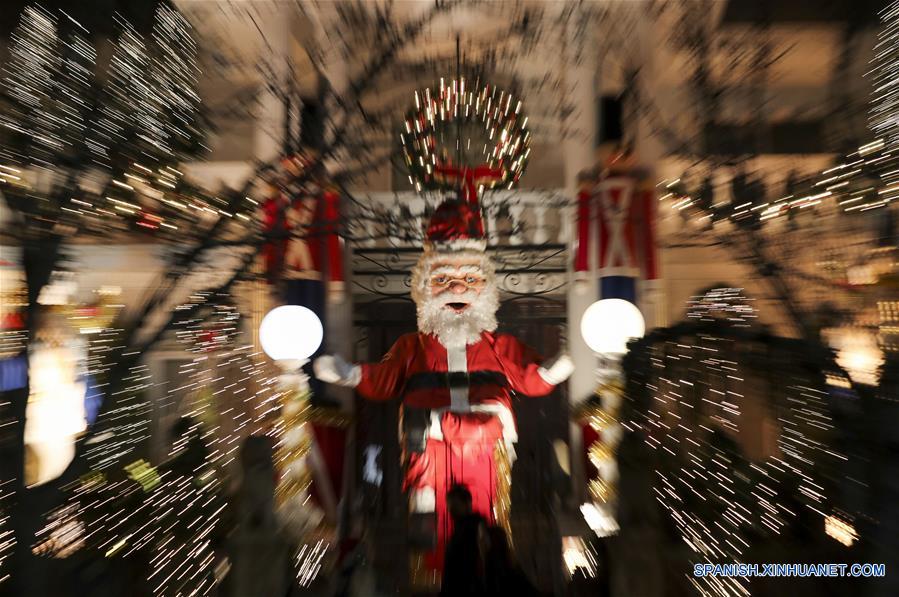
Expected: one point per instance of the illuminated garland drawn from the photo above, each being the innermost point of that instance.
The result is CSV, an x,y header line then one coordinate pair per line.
x,y
214,326
465,127
601,452
294,440
723,304
503,502
302,518
864,180
885,97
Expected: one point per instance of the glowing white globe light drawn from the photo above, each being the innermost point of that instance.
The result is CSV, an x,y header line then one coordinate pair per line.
x,y
608,324
858,352
290,332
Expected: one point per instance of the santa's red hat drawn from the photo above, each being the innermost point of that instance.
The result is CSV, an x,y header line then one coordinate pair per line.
x,y
456,225
455,231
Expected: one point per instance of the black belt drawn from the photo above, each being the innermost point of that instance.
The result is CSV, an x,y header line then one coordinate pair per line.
x,y
431,380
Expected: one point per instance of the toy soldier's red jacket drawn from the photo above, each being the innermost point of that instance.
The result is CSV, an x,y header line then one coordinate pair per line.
x,y
419,369
316,246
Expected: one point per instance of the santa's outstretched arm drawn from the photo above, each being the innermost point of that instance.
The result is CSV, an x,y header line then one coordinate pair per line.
x,y
528,373
557,370
375,381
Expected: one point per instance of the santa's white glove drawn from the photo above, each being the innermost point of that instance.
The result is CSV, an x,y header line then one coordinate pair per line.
x,y
557,370
333,369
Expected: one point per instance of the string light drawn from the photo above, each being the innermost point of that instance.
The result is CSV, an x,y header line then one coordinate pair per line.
x,y
7,536
214,325
144,119
172,511
692,416
308,562
885,96
730,304
840,530
579,555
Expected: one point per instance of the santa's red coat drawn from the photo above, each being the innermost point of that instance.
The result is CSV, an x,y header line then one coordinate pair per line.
x,y
472,394
417,369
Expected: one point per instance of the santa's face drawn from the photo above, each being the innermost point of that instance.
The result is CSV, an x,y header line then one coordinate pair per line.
x,y
456,283
457,298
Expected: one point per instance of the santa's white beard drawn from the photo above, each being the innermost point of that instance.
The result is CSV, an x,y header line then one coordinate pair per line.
x,y
459,329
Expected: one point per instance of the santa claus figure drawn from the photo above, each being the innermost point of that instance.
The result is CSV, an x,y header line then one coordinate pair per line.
x,y
456,376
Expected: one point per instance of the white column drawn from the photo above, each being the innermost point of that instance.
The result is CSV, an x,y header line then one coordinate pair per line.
x,y
649,151
339,325
516,213
579,156
274,50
